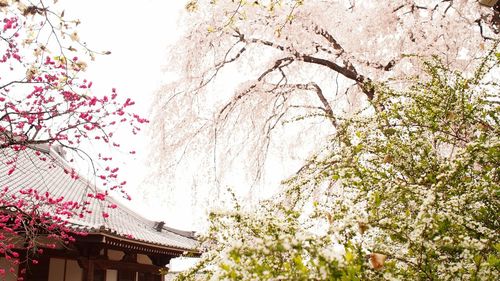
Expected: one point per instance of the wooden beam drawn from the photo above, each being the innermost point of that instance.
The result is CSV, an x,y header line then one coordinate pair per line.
x,y
127,266
117,242
160,260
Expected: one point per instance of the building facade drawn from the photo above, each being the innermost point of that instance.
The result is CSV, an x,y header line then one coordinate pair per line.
x,y
123,246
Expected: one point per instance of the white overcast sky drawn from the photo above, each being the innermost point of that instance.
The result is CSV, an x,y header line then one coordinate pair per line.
x,y
138,34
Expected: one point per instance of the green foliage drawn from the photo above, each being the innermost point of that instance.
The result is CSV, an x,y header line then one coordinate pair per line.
x,y
409,190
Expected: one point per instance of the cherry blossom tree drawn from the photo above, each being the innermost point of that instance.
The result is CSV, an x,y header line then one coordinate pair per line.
x,y
46,100
400,102
250,69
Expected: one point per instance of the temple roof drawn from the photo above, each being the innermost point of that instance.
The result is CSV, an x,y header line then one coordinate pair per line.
x,y
43,169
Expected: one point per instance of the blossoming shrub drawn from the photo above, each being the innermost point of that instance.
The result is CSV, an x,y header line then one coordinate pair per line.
x,y
406,189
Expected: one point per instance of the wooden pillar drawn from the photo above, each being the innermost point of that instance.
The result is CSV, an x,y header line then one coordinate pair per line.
x,y
89,252
90,271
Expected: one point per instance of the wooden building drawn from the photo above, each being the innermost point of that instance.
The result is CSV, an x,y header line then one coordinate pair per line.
x,y
122,247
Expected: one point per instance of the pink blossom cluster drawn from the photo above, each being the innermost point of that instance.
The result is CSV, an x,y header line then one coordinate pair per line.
x,y
45,101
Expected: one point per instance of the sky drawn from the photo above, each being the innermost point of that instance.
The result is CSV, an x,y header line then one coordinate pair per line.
x,y
138,34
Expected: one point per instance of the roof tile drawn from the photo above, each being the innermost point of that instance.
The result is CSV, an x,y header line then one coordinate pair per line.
x,y
49,176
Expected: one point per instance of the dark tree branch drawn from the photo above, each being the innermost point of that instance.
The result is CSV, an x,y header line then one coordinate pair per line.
x,y
327,108
481,30
279,64
362,81
347,71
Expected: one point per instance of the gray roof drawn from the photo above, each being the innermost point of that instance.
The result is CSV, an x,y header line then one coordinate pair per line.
x,y
43,169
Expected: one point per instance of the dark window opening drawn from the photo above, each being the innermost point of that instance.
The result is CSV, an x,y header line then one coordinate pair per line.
x,y
126,276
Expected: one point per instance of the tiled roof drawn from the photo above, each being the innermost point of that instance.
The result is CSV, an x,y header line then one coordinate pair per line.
x,y
44,169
